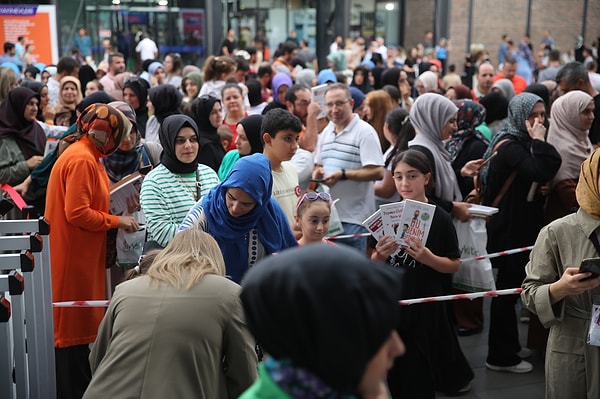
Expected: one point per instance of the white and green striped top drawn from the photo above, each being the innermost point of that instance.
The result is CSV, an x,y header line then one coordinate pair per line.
x,y
167,197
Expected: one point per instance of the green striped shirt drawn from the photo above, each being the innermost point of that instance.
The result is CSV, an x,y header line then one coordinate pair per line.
x,y
167,197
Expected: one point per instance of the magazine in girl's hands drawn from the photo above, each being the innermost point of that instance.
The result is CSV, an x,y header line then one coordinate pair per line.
x,y
415,221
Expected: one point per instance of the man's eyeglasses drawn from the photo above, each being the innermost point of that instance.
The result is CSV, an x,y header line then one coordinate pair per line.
x,y
336,104
313,196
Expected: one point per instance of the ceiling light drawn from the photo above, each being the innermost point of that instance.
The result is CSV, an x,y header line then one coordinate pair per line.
x,y
389,6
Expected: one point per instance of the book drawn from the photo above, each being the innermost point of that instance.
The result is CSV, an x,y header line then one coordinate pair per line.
x,y
482,210
374,224
318,95
390,217
127,188
415,221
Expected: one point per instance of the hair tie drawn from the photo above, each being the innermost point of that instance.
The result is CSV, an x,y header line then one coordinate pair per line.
x,y
406,119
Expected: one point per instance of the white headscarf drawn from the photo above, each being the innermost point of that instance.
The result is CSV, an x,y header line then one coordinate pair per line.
x,y
429,80
429,114
566,135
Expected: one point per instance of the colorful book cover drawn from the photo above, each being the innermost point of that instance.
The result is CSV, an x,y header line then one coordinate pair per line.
x,y
415,221
374,224
318,96
390,217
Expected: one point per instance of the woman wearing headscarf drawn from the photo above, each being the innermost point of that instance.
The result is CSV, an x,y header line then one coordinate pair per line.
x,y
135,93
190,85
427,82
572,116
524,161
119,82
496,113
206,112
68,97
241,215
280,83
77,207
360,79
562,297
504,87
466,143
22,140
248,142
434,119
165,100
210,355
171,189
335,346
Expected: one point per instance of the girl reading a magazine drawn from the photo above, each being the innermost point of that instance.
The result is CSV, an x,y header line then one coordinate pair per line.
x,y
434,360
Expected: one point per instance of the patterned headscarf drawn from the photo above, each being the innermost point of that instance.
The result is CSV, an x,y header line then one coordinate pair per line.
x,y
106,126
587,191
519,109
470,115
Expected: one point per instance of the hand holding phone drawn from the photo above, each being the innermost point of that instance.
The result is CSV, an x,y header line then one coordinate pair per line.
x,y
590,265
486,161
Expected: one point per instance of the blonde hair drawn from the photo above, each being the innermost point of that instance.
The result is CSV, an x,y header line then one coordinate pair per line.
x,y
380,103
190,256
8,77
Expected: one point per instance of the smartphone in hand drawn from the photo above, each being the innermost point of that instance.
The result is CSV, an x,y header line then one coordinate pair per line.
x,y
590,265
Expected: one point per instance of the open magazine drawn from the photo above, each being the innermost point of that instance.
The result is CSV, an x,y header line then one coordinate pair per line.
x,y
127,189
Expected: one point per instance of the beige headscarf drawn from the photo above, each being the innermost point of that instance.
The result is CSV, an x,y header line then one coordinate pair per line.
x,y
587,192
565,134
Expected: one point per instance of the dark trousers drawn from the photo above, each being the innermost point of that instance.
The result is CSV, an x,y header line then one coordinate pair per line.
x,y
73,373
503,340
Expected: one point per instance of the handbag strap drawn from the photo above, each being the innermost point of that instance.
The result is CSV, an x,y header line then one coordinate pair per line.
x,y
504,189
594,239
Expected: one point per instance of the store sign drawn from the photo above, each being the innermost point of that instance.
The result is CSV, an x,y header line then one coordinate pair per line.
x,y
37,24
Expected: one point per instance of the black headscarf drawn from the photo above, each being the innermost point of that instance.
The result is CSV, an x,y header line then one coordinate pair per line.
x,y
96,97
290,309
140,88
365,87
36,87
390,77
166,100
86,75
211,149
251,125
28,134
167,134
496,106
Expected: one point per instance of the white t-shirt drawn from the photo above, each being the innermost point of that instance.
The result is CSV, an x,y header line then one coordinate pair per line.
x,y
354,148
286,190
396,196
147,48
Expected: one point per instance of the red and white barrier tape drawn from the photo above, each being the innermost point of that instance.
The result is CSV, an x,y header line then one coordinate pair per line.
x,y
406,302
82,304
340,237
497,254
510,291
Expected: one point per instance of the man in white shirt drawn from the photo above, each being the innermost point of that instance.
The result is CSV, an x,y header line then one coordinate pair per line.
x,y
147,48
349,159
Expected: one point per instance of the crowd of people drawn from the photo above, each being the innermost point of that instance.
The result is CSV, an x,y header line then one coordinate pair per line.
x,y
239,160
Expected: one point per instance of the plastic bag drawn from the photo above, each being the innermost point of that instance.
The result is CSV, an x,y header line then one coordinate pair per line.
x,y
594,332
474,275
130,245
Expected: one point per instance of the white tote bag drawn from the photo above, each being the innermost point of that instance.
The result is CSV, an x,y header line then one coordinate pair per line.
x,y
474,275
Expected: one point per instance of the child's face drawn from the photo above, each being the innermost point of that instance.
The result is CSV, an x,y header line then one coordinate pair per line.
x,y
314,221
410,182
283,146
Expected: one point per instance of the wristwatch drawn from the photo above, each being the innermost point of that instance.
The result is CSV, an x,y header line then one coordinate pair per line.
x,y
344,177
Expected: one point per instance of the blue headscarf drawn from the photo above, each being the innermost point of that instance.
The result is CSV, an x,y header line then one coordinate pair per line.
x,y
252,174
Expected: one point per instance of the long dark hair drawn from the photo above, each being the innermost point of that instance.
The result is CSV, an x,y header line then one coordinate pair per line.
x,y
401,128
418,160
